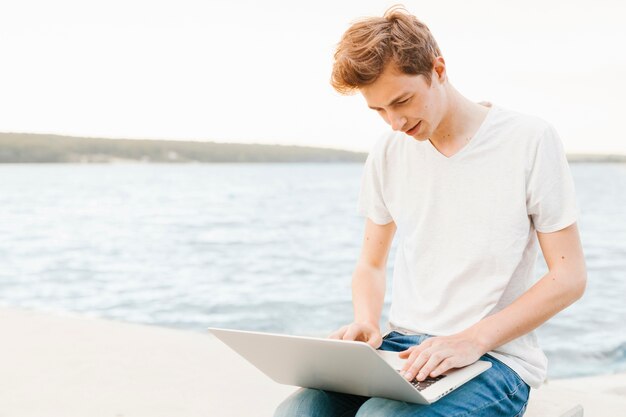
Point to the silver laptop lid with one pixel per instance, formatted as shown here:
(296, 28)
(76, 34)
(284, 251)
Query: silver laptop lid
(334, 365)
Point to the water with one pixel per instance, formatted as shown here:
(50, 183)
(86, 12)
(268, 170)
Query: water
(268, 247)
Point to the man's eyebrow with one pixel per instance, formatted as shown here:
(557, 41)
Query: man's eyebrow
(394, 101)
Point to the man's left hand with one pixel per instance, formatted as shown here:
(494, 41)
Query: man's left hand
(436, 355)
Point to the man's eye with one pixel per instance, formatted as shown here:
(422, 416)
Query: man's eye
(404, 101)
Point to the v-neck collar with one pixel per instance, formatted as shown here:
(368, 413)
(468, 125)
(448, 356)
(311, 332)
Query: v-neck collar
(468, 145)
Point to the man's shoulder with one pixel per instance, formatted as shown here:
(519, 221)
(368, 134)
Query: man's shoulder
(523, 135)
(521, 122)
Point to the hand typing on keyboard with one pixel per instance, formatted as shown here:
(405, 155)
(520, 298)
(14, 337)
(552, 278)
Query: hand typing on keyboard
(436, 355)
(421, 385)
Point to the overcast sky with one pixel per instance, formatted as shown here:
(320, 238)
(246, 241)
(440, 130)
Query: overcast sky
(258, 71)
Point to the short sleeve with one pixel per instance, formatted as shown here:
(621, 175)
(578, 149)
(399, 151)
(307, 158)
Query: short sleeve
(371, 202)
(550, 195)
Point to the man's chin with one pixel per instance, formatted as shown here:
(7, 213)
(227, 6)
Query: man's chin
(419, 138)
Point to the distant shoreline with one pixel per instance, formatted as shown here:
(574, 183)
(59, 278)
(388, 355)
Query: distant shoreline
(599, 158)
(43, 148)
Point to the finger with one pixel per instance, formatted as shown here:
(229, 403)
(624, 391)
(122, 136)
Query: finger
(416, 364)
(426, 343)
(375, 340)
(352, 333)
(444, 366)
(338, 334)
(406, 353)
(421, 347)
(435, 360)
(415, 352)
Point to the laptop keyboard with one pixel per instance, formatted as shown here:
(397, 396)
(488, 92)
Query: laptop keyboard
(421, 385)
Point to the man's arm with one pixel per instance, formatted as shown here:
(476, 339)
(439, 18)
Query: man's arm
(561, 286)
(368, 285)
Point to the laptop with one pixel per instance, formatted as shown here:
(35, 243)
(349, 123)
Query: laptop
(349, 367)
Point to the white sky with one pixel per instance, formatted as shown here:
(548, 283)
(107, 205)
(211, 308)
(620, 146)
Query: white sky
(258, 71)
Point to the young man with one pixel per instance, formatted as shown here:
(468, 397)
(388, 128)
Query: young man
(472, 189)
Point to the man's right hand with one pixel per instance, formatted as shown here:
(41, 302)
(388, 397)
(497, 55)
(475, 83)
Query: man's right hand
(362, 332)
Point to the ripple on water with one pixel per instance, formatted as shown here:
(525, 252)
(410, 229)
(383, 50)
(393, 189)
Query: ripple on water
(268, 247)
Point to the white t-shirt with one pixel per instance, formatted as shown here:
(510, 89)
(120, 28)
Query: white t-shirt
(466, 225)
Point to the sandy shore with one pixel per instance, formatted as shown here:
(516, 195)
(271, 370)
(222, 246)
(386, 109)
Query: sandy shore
(53, 365)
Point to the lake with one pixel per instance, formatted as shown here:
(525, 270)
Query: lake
(268, 247)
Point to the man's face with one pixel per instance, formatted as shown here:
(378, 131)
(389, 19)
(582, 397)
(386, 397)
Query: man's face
(406, 102)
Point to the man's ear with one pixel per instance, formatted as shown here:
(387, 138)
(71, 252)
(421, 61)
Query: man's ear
(439, 69)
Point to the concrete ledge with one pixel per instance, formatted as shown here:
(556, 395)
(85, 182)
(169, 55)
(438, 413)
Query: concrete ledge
(544, 404)
(69, 366)
(64, 366)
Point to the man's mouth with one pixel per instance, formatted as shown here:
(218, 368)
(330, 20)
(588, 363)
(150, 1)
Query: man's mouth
(414, 129)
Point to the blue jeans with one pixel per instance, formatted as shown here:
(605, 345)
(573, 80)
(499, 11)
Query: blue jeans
(498, 391)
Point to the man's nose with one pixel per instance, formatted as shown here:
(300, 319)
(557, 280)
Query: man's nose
(397, 122)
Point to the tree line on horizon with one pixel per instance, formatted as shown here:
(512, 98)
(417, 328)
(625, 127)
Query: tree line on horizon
(43, 148)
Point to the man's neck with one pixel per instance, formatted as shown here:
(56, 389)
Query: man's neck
(459, 123)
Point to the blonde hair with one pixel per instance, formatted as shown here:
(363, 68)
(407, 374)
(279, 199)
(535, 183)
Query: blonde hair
(370, 44)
